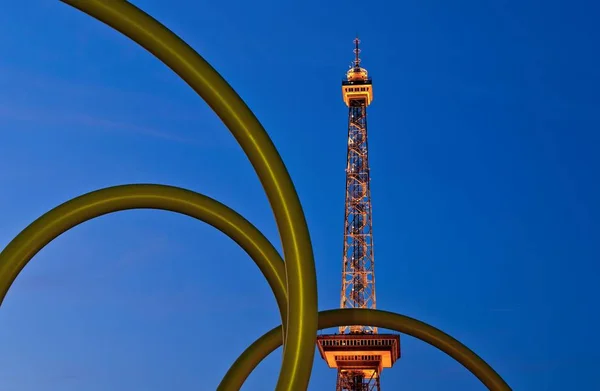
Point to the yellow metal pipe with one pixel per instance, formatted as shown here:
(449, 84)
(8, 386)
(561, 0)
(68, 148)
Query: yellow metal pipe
(113, 199)
(270, 341)
(198, 74)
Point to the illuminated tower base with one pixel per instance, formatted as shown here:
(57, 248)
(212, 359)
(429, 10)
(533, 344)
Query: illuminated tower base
(359, 358)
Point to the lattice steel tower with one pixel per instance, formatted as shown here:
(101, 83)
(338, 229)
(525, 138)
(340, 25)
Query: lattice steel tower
(358, 352)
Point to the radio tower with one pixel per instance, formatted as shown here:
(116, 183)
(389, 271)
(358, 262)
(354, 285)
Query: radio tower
(358, 353)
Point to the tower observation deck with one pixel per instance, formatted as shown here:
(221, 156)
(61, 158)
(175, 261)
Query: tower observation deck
(359, 353)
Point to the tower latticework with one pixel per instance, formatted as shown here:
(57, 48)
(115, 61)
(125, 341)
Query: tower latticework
(358, 352)
(358, 273)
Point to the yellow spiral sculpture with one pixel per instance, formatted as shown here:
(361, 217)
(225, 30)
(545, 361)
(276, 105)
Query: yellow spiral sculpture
(293, 279)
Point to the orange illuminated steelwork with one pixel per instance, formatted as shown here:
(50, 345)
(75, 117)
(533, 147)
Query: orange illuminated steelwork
(359, 353)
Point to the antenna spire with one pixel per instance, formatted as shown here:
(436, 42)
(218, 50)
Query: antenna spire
(356, 52)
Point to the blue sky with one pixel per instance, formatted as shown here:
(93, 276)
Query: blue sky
(484, 154)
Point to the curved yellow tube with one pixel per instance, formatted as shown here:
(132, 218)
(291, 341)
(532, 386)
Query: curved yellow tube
(270, 341)
(297, 295)
(198, 74)
(86, 207)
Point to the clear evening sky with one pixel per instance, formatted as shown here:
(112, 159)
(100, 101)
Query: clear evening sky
(485, 178)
